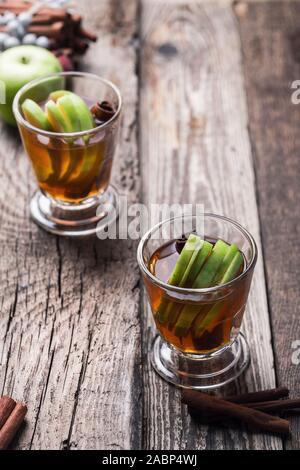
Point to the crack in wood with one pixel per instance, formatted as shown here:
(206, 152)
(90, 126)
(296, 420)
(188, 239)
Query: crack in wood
(42, 397)
(13, 308)
(59, 269)
(52, 332)
(66, 442)
(6, 364)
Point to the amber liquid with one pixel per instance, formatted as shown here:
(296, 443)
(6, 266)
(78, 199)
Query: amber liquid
(199, 327)
(68, 170)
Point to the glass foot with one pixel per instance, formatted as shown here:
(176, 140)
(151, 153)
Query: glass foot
(198, 372)
(76, 221)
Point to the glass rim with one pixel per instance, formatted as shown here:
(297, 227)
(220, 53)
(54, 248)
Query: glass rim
(20, 119)
(203, 290)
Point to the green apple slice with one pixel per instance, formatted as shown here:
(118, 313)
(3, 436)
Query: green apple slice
(233, 249)
(80, 118)
(65, 104)
(42, 162)
(204, 279)
(76, 157)
(212, 265)
(55, 95)
(67, 108)
(167, 309)
(192, 246)
(203, 321)
(92, 162)
(56, 118)
(201, 324)
(195, 264)
(83, 112)
(58, 153)
(233, 268)
(35, 115)
(185, 319)
(93, 159)
(59, 124)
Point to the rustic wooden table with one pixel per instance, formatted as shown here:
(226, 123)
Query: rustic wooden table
(207, 118)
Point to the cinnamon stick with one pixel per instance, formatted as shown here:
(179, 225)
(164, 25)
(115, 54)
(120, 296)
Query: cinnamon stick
(49, 18)
(264, 400)
(85, 34)
(51, 31)
(257, 419)
(76, 19)
(275, 405)
(79, 45)
(12, 424)
(7, 404)
(58, 24)
(262, 395)
(14, 6)
(103, 111)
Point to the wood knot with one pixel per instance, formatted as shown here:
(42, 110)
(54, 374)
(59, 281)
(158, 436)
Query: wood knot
(198, 123)
(167, 49)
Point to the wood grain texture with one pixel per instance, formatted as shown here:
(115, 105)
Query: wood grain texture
(270, 40)
(69, 326)
(195, 148)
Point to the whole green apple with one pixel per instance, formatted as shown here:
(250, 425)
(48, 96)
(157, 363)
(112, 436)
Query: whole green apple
(18, 66)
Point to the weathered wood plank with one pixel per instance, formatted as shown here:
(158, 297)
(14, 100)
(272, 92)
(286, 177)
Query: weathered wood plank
(195, 148)
(270, 41)
(69, 327)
